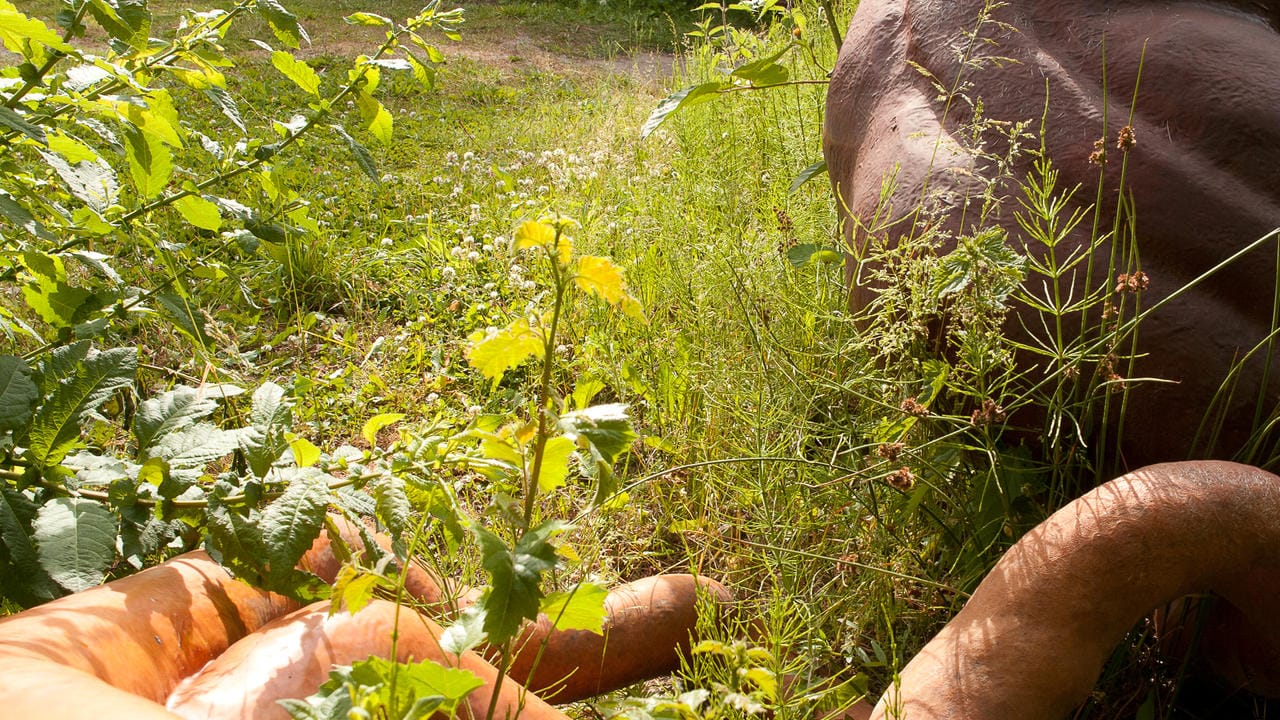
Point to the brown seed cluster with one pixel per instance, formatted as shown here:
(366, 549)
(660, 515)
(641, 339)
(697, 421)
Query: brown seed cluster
(1099, 155)
(1132, 282)
(901, 479)
(989, 414)
(912, 407)
(890, 450)
(1125, 139)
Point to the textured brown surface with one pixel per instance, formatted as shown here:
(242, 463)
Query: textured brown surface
(1205, 173)
(1032, 639)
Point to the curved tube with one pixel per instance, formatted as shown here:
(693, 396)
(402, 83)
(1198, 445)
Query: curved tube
(1032, 639)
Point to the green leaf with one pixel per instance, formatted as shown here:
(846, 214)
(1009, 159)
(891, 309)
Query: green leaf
(33, 584)
(675, 101)
(226, 104)
(392, 502)
(515, 575)
(376, 423)
(150, 162)
(376, 117)
(199, 212)
(14, 121)
(764, 71)
(170, 412)
(18, 394)
(296, 70)
(466, 632)
(56, 426)
(16, 29)
(579, 609)
(811, 252)
(294, 520)
(20, 217)
(367, 18)
(362, 156)
(495, 353)
(353, 589)
(76, 540)
(128, 21)
(184, 316)
(271, 416)
(305, 454)
(555, 463)
(605, 430)
(807, 174)
(47, 292)
(283, 23)
(92, 182)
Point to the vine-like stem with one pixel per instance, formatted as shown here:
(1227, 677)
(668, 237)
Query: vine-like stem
(544, 388)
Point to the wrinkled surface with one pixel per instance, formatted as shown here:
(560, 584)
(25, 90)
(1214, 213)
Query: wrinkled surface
(1032, 639)
(1204, 174)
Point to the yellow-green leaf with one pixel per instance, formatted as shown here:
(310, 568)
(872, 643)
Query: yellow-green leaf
(71, 149)
(15, 28)
(580, 609)
(555, 463)
(376, 423)
(600, 277)
(299, 72)
(304, 453)
(377, 119)
(534, 233)
(150, 162)
(495, 353)
(199, 212)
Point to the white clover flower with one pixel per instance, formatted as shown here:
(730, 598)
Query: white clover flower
(468, 155)
(448, 273)
(529, 285)
(456, 251)
(542, 190)
(473, 256)
(388, 177)
(438, 180)
(451, 158)
(386, 242)
(474, 409)
(433, 397)
(500, 241)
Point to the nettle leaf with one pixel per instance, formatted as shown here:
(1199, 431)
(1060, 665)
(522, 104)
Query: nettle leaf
(555, 463)
(495, 353)
(676, 100)
(76, 540)
(465, 633)
(515, 576)
(283, 23)
(170, 412)
(296, 70)
(16, 29)
(18, 394)
(367, 18)
(150, 162)
(392, 502)
(362, 156)
(56, 426)
(20, 217)
(47, 292)
(294, 520)
(27, 579)
(377, 118)
(603, 433)
(199, 212)
(271, 416)
(579, 609)
(14, 121)
(128, 21)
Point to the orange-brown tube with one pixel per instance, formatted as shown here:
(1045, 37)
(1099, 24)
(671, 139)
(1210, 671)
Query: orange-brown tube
(292, 657)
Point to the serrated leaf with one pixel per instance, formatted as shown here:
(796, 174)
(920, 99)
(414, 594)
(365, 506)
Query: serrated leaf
(47, 292)
(18, 394)
(76, 541)
(11, 119)
(600, 277)
(377, 118)
(362, 156)
(170, 412)
(16, 29)
(367, 18)
(33, 584)
(555, 463)
(20, 217)
(195, 446)
(296, 70)
(124, 20)
(283, 23)
(150, 162)
(425, 75)
(305, 454)
(605, 429)
(579, 609)
(199, 212)
(495, 353)
(375, 424)
(765, 71)
(676, 100)
(182, 313)
(515, 576)
(56, 426)
(807, 174)
(294, 520)
(227, 104)
(392, 503)
(352, 590)
(465, 633)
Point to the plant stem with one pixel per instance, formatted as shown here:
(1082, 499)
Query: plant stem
(544, 389)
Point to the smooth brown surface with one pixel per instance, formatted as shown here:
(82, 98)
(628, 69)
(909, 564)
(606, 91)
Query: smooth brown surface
(292, 657)
(1204, 175)
(1032, 639)
(649, 625)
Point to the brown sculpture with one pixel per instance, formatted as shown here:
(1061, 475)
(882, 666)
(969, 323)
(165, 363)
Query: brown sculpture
(1032, 639)
(1204, 173)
